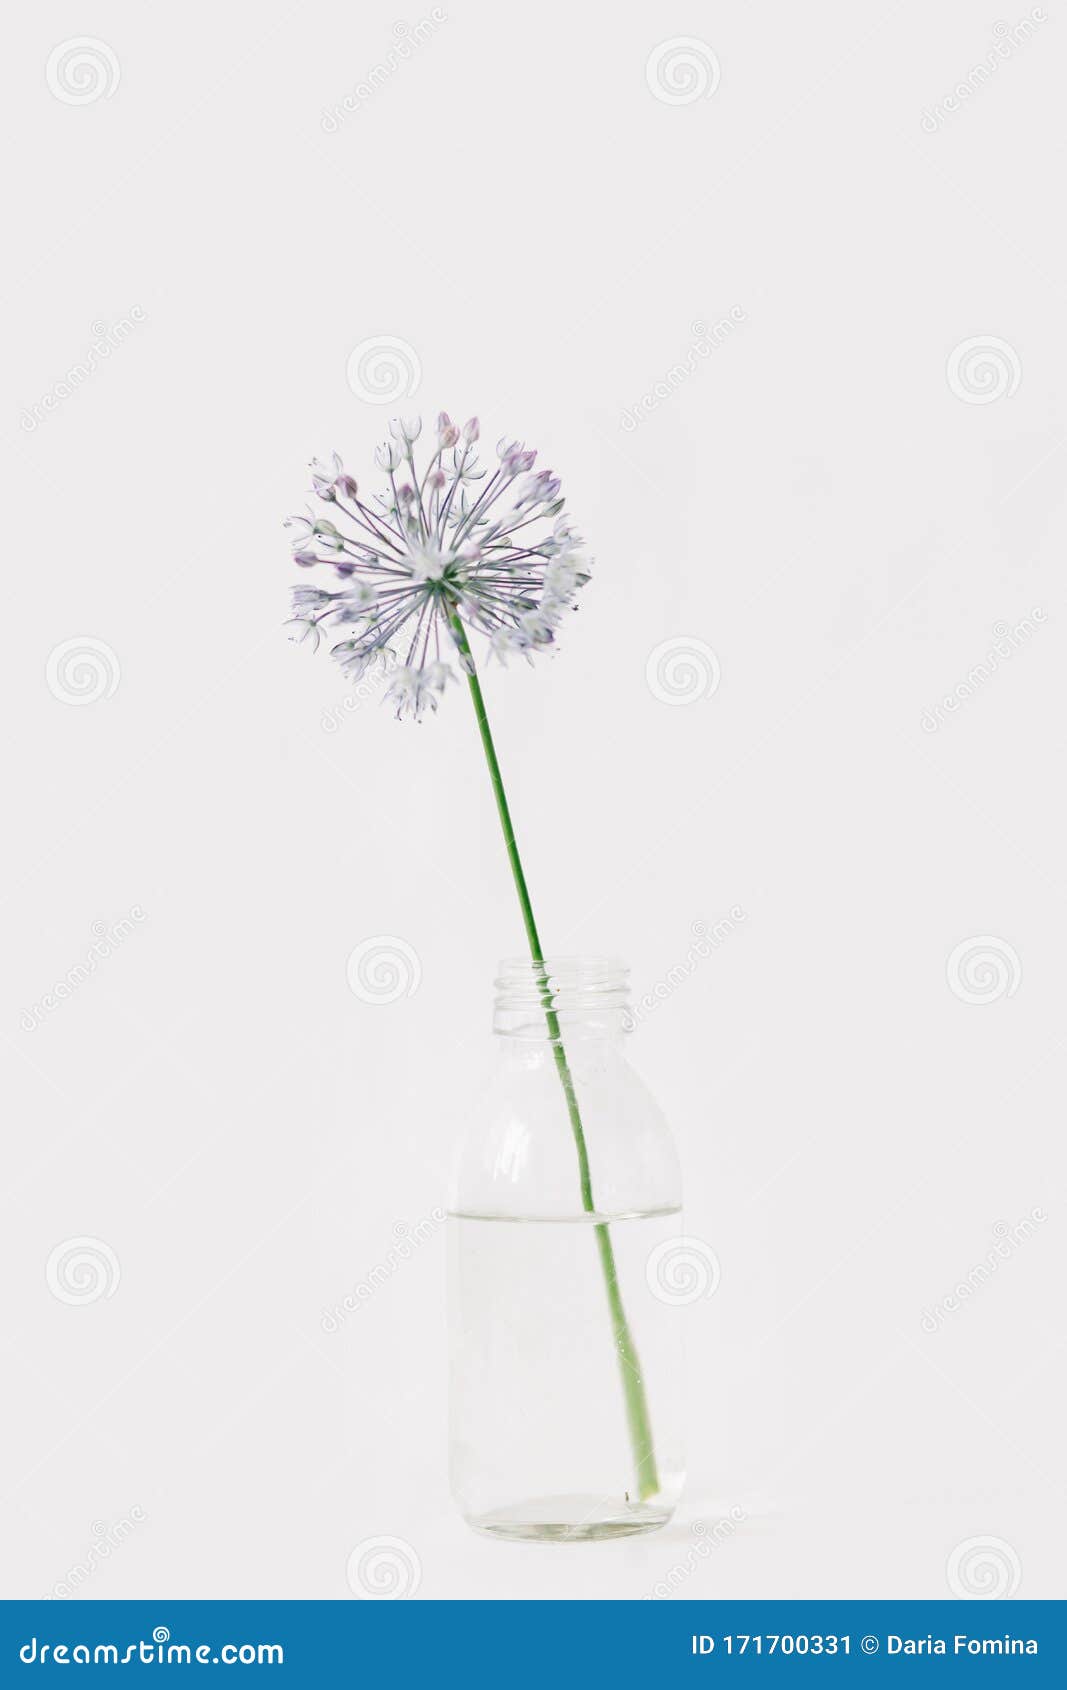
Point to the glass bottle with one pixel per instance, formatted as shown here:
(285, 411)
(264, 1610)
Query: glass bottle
(565, 1378)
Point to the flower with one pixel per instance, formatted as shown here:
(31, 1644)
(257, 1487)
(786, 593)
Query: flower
(303, 630)
(413, 688)
(328, 486)
(425, 562)
(309, 599)
(435, 558)
(407, 431)
(464, 467)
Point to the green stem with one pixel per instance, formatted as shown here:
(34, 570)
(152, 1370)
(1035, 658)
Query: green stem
(637, 1418)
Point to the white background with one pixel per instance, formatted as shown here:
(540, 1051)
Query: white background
(827, 502)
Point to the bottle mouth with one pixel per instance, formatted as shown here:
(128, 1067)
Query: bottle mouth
(590, 992)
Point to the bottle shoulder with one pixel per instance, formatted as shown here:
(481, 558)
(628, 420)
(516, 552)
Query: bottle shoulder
(549, 1140)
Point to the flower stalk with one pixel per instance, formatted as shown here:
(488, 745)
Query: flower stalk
(637, 1416)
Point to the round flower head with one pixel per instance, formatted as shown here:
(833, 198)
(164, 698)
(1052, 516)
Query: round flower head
(435, 556)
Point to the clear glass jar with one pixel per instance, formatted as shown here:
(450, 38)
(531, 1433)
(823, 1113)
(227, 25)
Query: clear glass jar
(565, 1388)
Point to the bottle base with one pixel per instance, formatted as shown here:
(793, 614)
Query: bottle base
(569, 1519)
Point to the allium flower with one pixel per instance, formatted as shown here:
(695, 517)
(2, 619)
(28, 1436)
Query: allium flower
(434, 556)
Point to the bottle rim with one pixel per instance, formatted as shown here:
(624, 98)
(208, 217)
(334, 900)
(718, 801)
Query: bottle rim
(569, 985)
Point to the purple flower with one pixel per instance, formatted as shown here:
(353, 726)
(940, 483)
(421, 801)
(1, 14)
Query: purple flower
(436, 558)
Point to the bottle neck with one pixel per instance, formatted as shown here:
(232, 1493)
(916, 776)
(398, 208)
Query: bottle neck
(563, 998)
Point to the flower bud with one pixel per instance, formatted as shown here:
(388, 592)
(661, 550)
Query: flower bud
(406, 429)
(328, 535)
(471, 430)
